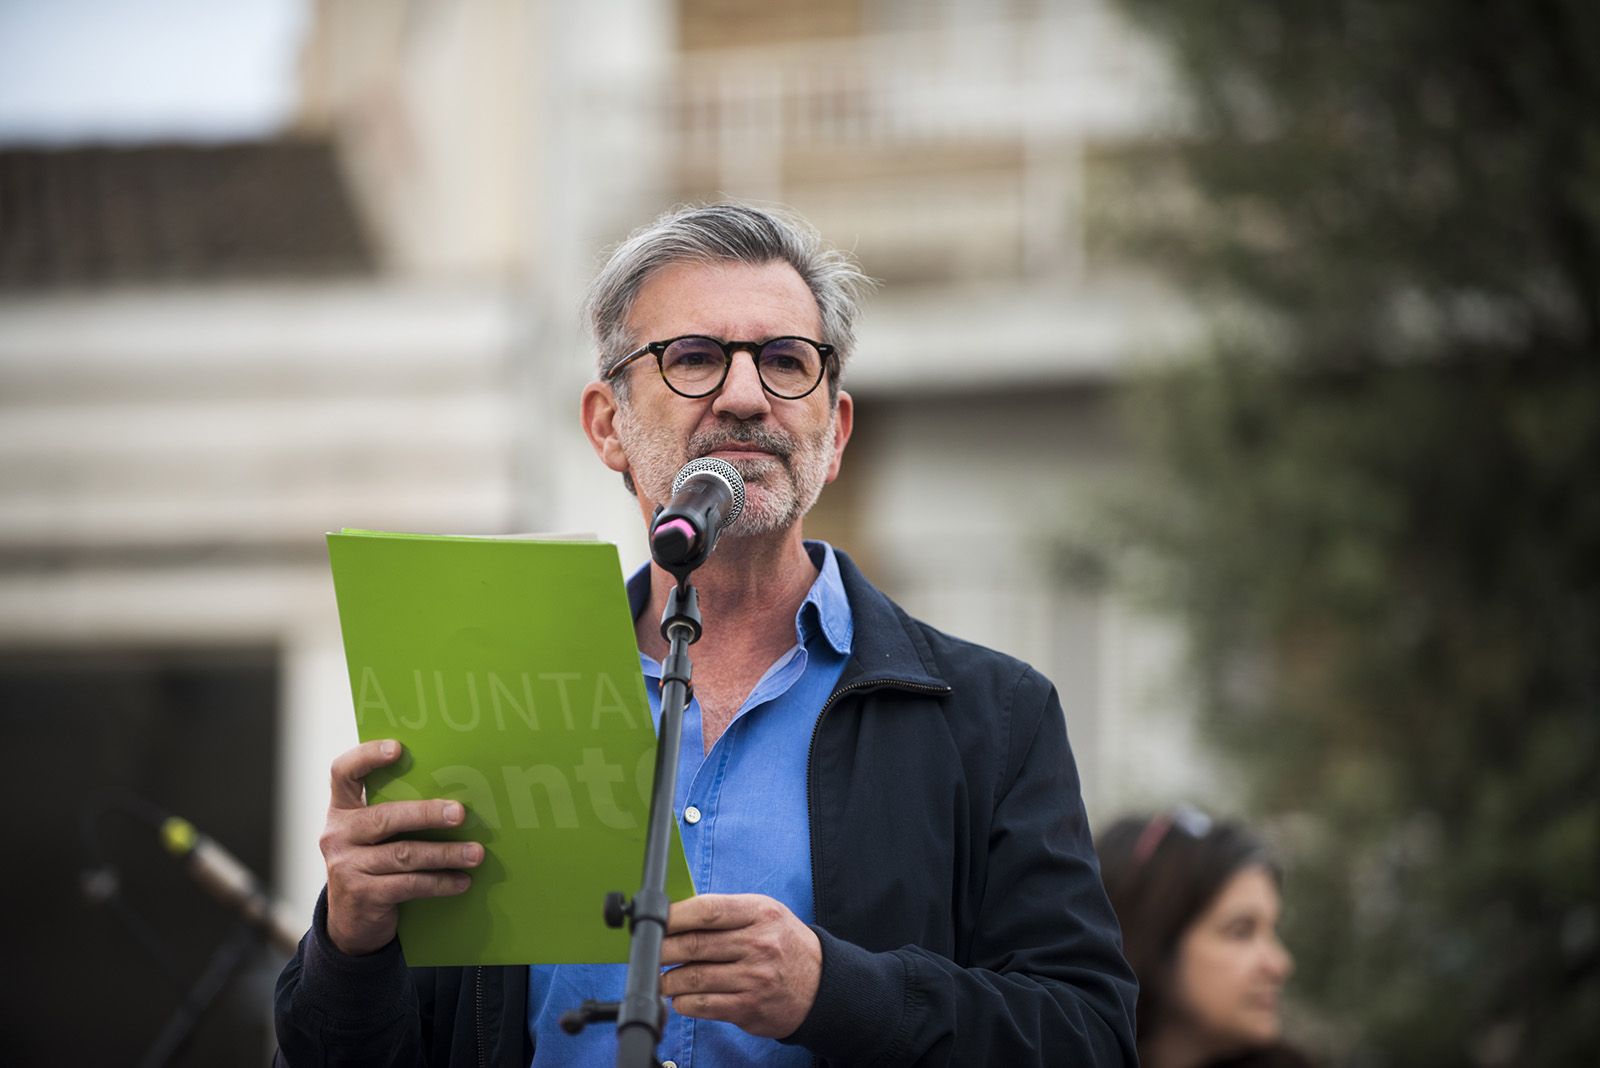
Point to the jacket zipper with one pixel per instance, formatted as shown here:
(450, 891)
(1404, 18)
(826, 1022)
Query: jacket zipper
(477, 1014)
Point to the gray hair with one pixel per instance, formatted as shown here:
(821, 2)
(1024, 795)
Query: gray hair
(721, 233)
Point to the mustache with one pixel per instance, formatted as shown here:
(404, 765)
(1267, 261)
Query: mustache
(779, 445)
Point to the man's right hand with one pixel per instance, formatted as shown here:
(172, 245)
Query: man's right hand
(370, 869)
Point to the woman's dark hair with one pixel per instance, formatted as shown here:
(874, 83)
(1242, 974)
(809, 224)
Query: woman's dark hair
(1161, 873)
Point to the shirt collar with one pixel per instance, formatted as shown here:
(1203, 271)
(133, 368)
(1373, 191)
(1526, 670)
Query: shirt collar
(826, 608)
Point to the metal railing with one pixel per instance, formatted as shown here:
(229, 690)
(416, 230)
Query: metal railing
(952, 150)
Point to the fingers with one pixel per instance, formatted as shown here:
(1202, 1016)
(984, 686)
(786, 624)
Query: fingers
(762, 978)
(729, 1007)
(373, 863)
(380, 822)
(353, 831)
(720, 912)
(354, 765)
(411, 855)
(703, 946)
(705, 979)
(390, 890)
(353, 858)
(367, 881)
(717, 927)
(751, 998)
(363, 908)
(743, 958)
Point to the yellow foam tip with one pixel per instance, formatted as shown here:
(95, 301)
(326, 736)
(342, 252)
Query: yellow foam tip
(178, 835)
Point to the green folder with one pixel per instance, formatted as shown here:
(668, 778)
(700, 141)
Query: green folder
(509, 670)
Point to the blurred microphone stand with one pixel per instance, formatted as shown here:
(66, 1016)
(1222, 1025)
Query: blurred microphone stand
(224, 964)
(102, 885)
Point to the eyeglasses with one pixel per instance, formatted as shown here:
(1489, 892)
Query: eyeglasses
(696, 366)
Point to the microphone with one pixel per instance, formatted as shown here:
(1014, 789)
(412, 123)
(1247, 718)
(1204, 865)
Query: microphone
(707, 495)
(226, 878)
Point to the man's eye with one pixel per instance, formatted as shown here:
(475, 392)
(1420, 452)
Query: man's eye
(782, 361)
(693, 357)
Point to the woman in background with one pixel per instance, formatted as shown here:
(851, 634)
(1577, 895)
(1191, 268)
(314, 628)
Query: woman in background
(1199, 904)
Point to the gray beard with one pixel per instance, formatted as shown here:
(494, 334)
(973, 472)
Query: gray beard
(779, 488)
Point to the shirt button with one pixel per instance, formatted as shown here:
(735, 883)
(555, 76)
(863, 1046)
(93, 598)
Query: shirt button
(669, 1064)
(691, 815)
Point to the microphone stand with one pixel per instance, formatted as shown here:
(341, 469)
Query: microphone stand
(641, 1015)
(225, 963)
(102, 886)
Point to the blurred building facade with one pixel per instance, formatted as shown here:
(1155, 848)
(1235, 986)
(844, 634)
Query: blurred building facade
(378, 327)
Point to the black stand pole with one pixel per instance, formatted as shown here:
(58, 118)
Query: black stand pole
(220, 970)
(641, 1016)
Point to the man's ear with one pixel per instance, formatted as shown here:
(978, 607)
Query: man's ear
(844, 414)
(598, 413)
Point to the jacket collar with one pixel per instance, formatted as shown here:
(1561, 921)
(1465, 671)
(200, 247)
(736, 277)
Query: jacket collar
(888, 649)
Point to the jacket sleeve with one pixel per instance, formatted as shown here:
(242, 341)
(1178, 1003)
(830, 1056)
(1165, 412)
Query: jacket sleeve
(331, 1008)
(1045, 982)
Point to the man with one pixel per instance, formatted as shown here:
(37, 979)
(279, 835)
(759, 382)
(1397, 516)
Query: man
(884, 822)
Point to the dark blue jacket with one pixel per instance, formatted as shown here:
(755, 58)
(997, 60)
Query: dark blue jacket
(958, 898)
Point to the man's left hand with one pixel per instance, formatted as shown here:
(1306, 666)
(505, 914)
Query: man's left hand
(743, 958)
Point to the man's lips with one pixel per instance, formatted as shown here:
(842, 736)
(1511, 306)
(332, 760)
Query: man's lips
(753, 462)
(743, 452)
(747, 439)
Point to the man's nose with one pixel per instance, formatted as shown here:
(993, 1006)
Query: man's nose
(741, 395)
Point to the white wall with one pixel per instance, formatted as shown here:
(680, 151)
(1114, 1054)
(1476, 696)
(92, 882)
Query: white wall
(170, 459)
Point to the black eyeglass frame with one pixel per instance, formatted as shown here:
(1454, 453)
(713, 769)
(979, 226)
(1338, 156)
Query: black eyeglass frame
(729, 348)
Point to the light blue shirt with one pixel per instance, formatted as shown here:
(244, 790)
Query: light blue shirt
(742, 815)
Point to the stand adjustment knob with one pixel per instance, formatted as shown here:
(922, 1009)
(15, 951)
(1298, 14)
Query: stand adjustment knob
(617, 910)
(573, 1021)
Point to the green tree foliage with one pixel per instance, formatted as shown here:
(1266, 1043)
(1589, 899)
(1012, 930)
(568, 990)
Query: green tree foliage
(1377, 502)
